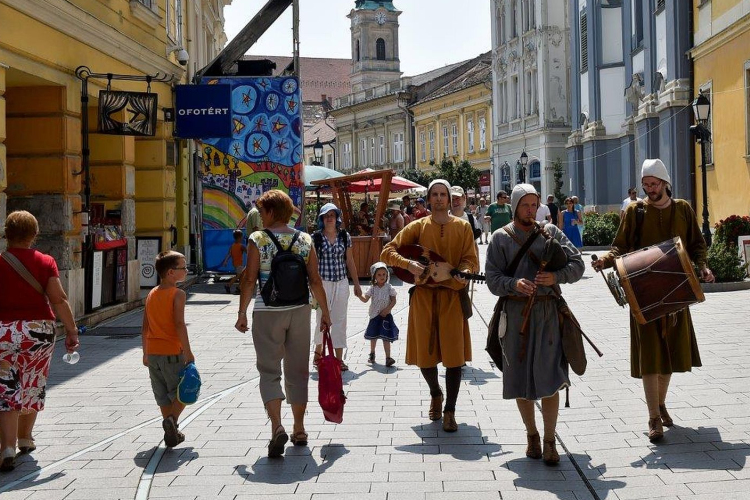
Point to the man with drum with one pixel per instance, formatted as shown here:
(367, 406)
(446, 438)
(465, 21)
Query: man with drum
(665, 345)
(438, 331)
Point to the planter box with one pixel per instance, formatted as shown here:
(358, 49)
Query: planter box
(731, 286)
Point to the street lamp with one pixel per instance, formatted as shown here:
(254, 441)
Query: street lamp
(522, 170)
(317, 152)
(702, 110)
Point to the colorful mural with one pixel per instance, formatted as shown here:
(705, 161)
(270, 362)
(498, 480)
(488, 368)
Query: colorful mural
(264, 152)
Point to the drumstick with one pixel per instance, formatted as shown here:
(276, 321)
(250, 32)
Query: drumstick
(594, 258)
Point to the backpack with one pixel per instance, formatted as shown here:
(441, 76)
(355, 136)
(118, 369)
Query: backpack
(287, 284)
(317, 237)
(477, 231)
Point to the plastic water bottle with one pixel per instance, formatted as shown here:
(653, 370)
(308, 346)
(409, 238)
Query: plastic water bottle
(72, 357)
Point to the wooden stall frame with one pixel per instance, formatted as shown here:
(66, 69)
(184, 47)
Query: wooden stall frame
(339, 191)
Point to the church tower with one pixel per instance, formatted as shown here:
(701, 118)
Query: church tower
(374, 26)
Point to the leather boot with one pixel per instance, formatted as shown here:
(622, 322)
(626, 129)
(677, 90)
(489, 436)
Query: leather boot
(449, 422)
(550, 455)
(436, 408)
(655, 429)
(666, 420)
(533, 446)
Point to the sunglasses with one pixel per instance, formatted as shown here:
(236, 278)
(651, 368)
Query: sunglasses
(180, 268)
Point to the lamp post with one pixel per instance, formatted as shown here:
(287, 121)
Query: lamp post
(317, 152)
(522, 163)
(702, 110)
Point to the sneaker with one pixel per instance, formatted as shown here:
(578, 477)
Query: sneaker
(171, 434)
(371, 358)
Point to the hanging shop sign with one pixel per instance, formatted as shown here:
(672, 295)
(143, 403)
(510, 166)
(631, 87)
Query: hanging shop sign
(127, 113)
(203, 111)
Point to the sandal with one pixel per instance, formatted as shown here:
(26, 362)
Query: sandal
(299, 438)
(316, 359)
(276, 445)
(26, 445)
(8, 458)
(344, 366)
(371, 358)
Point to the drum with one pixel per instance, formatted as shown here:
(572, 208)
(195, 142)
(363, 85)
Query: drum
(658, 280)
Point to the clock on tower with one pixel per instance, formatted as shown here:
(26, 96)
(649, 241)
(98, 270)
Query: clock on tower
(380, 17)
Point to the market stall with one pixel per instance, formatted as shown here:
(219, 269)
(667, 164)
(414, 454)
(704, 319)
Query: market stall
(366, 248)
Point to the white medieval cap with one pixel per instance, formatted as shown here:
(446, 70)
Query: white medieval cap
(519, 192)
(438, 181)
(655, 168)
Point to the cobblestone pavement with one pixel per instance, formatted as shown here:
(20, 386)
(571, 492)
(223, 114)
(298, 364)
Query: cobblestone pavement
(100, 436)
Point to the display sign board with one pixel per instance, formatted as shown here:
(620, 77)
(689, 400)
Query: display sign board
(127, 113)
(147, 249)
(96, 279)
(203, 111)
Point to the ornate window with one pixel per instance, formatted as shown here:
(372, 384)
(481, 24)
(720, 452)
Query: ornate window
(381, 148)
(432, 144)
(445, 140)
(372, 150)
(380, 49)
(454, 134)
(398, 147)
(482, 133)
(422, 146)
(470, 133)
(363, 158)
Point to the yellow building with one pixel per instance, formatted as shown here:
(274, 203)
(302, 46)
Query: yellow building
(722, 72)
(455, 120)
(144, 180)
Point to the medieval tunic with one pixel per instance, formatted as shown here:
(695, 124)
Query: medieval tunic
(665, 345)
(438, 331)
(542, 371)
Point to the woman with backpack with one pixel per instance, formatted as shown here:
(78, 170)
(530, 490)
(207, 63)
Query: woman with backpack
(333, 246)
(285, 265)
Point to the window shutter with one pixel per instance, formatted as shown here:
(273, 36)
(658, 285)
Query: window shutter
(584, 43)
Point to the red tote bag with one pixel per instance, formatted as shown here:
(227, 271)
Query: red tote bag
(330, 385)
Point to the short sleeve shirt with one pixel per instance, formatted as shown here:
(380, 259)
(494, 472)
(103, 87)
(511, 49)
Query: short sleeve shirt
(381, 297)
(267, 251)
(499, 216)
(18, 299)
(332, 258)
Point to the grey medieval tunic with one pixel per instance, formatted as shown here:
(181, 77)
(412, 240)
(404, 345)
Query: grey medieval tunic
(543, 370)
(668, 344)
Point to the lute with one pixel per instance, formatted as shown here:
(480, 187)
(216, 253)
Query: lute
(436, 267)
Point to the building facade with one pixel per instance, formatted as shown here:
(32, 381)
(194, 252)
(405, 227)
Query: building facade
(142, 184)
(630, 96)
(531, 111)
(455, 120)
(721, 71)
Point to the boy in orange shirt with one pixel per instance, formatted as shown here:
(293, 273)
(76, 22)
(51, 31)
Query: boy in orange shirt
(166, 347)
(235, 251)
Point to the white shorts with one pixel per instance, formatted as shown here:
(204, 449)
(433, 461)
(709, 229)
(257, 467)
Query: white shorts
(337, 296)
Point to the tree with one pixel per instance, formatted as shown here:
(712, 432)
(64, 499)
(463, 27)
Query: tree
(463, 174)
(419, 176)
(558, 173)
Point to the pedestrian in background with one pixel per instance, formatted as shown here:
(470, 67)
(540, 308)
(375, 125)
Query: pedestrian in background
(480, 215)
(31, 290)
(420, 210)
(533, 363)
(578, 208)
(253, 222)
(571, 218)
(553, 209)
(236, 251)
(281, 333)
(498, 214)
(333, 246)
(632, 198)
(166, 346)
(381, 325)
(666, 345)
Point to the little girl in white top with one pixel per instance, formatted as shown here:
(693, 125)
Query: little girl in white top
(381, 325)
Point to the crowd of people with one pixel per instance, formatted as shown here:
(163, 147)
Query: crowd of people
(285, 266)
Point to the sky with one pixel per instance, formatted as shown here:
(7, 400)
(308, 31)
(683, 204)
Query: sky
(432, 33)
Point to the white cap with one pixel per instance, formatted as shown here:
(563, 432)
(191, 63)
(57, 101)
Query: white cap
(457, 191)
(519, 192)
(438, 181)
(655, 168)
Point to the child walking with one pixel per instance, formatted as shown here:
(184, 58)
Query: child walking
(166, 347)
(381, 325)
(236, 251)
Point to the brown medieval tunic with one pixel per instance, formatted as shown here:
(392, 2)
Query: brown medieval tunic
(438, 331)
(665, 345)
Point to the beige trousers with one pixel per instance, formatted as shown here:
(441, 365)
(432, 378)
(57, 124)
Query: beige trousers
(283, 335)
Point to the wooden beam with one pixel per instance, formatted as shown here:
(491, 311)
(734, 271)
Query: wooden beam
(247, 37)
